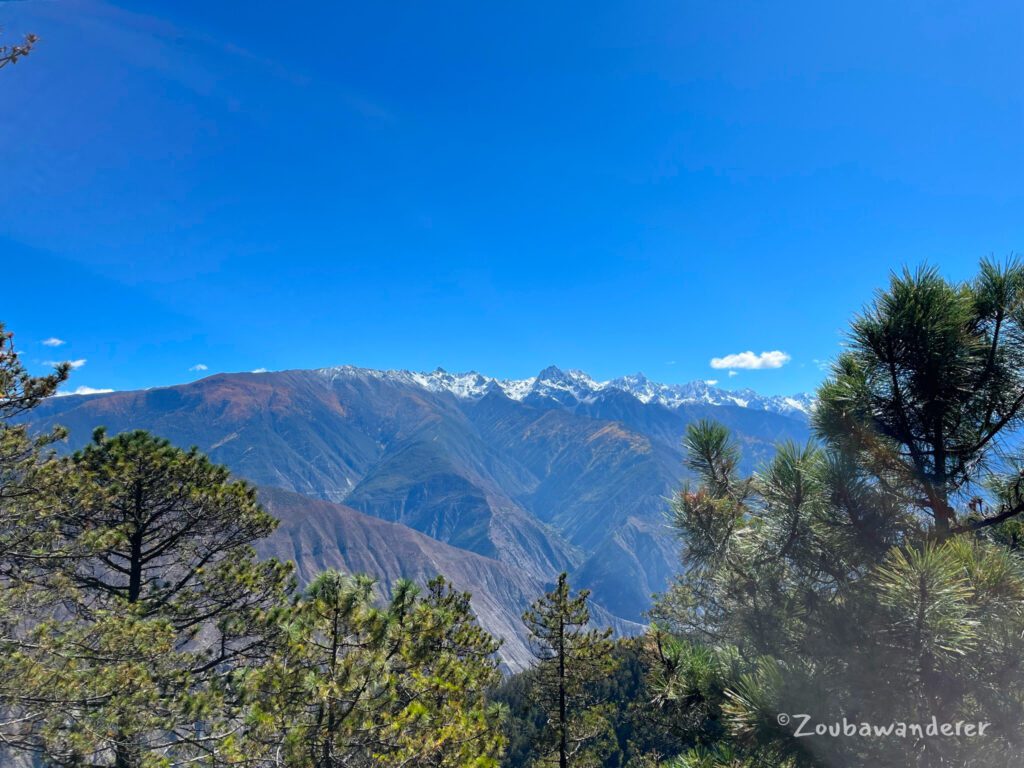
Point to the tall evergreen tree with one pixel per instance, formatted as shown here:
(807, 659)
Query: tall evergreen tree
(139, 630)
(643, 735)
(158, 601)
(22, 455)
(572, 658)
(24, 529)
(869, 576)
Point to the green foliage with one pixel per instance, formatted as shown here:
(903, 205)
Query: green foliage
(152, 595)
(639, 727)
(875, 576)
(932, 380)
(572, 658)
(525, 721)
(361, 684)
(140, 631)
(24, 506)
(686, 689)
(163, 529)
(23, 498)
(719, 756)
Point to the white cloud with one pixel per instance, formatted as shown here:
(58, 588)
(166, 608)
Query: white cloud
(84, 391)
(53, 341)
(199, 367)
(750, 361)
(259, 370)
(731, 374)
(711, 382)
(75, 364)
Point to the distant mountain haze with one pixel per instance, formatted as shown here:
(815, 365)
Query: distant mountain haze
(497, 484)
(317, 535)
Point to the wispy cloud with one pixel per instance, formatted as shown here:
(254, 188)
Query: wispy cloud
(732, 373)
(200, 367)
(84, 391)
(259, 370)
(751, 362)
(75, 364)
(711, 382)
(53, 341)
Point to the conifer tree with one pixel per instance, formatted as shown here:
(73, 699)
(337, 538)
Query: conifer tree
(571, 657)
(22, 454)
(365, 684)
(930, 386)
(871, 576)
(23, 508)
(139, 629)
(158, 602)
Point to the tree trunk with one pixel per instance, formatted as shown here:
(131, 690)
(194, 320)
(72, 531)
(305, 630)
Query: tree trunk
(125, 755)
(563, 747)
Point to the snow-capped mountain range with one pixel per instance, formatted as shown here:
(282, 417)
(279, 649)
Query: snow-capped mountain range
(498, 483)
(574, 387)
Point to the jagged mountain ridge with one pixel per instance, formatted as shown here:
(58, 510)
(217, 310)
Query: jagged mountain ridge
(567, 474)
(577, 386)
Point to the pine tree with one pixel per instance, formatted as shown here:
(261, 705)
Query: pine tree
(138, 628)
(365, 684)
(930, 385)
(24, 505)
(22, 454)
(571, 658)
(158, 602)
(871, 575)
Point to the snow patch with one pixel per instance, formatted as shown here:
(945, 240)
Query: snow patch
(573, 387)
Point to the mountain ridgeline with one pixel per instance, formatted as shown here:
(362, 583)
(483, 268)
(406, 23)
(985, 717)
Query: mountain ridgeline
(504, 484)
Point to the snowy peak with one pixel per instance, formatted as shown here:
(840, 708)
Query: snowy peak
(572, 387)
(567, 387)
(554, 375)
(647, 391)
(470, 384)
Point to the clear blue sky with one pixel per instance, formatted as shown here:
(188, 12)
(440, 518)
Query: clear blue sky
(499, 186)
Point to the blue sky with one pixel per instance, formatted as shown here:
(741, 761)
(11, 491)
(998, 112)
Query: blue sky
(499, 186)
